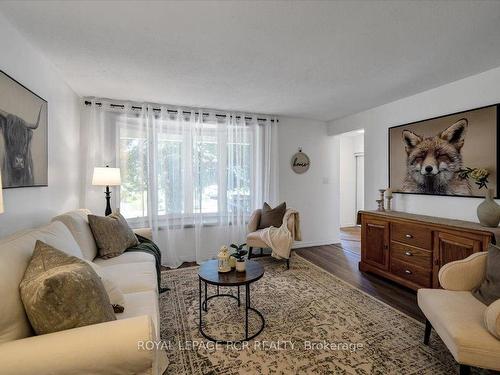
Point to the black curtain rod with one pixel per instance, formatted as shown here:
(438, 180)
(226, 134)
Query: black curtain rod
(175, 111)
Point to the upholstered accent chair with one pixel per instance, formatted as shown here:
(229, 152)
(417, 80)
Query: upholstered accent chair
(469, 328)
(253, 236)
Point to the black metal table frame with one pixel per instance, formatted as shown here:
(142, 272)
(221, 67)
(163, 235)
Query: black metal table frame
(203, 306)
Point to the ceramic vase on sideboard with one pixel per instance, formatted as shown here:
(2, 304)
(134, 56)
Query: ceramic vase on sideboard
(488, 211)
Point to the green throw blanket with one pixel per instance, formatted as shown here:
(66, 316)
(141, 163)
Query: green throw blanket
(147, 246)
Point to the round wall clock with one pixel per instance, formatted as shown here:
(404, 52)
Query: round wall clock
(300, 162)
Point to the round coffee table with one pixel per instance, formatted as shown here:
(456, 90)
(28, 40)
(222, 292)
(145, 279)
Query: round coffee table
(209, 274)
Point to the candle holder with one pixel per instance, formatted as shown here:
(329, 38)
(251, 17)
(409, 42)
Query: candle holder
(380, 203)
(381, 191)
(389, 198)
(381, 200)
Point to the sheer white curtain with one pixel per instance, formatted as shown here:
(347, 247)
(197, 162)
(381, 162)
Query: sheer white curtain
(98, 149)
(193, 175)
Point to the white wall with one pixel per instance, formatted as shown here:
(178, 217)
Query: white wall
(347, 181)
(315, 193)
(29, 207)
(475, 91)
(349, 144)
(359, 143)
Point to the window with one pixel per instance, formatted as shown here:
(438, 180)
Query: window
(206, 189)
(238, 177)
(196, 170)
(134, 188)
(170, 198)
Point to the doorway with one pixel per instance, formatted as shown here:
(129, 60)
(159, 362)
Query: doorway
(352, 183)
(360, 181)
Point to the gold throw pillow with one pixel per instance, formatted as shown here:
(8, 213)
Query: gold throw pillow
(112, 234)
(61, 292)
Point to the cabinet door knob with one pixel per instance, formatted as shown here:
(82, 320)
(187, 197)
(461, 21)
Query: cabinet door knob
(408, 272)
(408, 253)
(408, 236)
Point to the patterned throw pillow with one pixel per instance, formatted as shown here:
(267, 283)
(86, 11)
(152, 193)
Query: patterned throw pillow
(61, 292)
(112, 234)
(272, 217)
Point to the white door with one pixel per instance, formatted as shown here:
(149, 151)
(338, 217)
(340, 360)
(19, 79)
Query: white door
(360, 182)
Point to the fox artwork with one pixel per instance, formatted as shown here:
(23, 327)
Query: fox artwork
(433, 164)
(455, 154)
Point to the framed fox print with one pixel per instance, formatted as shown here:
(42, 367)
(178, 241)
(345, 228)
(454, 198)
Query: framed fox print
(455, 154)
(23, 135)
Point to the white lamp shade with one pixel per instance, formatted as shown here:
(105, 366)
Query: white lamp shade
(105, 176)
(1, 196)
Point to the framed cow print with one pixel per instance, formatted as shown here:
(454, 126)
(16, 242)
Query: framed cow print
(455, 154)
(23, 135)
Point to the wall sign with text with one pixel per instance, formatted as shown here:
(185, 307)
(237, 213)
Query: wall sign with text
(300, 162)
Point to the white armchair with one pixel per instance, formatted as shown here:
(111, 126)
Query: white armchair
(470, 329)
(253, 233)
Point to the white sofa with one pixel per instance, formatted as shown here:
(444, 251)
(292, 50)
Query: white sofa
(106, 348)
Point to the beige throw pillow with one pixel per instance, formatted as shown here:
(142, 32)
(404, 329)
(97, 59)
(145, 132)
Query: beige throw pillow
(61, 292)
(492, 318)
(272, 217)
(112, 234)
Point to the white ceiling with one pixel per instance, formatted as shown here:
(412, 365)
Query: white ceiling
(319, 60)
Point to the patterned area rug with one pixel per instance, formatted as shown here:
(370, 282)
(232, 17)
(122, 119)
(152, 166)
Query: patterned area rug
(315, 324)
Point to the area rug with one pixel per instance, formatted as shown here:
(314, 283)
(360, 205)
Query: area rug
(315, 324)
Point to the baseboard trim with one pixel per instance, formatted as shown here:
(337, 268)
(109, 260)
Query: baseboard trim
(348, 225)
(298, 245)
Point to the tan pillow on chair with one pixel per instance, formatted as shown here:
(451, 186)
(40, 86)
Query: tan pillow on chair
(272, 217)
(112, 234)
(61, 292)
(492, 318)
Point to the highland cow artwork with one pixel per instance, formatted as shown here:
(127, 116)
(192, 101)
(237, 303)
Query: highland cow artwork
(455, 154)
(23, 135)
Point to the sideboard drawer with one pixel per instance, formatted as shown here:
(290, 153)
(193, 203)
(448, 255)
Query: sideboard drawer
(412, 255)
(408, 271)
(415, 235)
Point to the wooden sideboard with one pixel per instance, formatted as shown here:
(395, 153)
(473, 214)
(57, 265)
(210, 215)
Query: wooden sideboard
(410, 249)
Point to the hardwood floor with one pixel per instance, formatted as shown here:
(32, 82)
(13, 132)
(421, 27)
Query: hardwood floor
(344, 265)
(183, 265)
(351, 233)
(350, 239)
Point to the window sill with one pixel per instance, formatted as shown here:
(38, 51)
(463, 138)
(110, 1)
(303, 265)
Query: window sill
(165, 223)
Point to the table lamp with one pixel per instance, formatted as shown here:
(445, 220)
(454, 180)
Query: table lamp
(1, 196)
(106, 176)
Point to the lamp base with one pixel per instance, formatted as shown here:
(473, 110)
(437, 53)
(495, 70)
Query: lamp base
(108, 202)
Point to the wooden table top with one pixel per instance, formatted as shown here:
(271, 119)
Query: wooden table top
(459, 224)
(209, 272)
